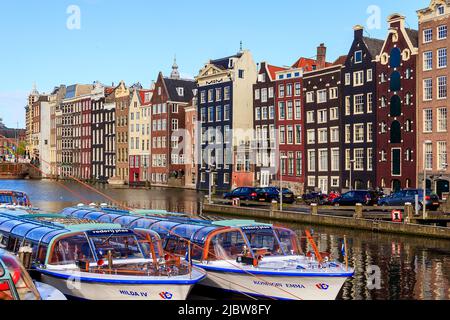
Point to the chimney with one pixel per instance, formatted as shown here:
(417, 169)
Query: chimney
(321, 56)
(359, 30)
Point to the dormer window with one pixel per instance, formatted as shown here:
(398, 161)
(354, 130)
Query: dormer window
(230, 63)
(440, 10)
(180, 92)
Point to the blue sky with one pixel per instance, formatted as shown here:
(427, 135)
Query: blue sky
(133, 40)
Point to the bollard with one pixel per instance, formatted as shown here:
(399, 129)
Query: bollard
(274, 206)
(314, 209)
(409, 212)
(359, 211)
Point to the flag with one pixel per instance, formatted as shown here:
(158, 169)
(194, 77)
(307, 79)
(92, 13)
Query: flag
(343, 249)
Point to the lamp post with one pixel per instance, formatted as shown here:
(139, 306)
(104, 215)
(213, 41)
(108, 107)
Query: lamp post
(352, 164)
(282, 158)
(210, 171)
(425, 178)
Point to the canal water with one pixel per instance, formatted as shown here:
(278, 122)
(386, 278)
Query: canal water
(387, 266)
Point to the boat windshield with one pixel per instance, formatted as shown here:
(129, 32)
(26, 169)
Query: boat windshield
(21, 280)
(122, 247)
(227, 246)
(263, 239)
(288, 240)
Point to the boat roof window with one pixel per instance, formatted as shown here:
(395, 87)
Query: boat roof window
(186, 230)
(109, 218)
(23, 229)
(122, 246)
(126, 220)
(69, 250)
(47, 238)
(201, 235)
(94, 215)
(163, 228)
(144, 223)
(36, 235)
(9, 225)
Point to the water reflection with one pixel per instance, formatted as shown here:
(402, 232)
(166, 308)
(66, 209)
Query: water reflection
(411, 268)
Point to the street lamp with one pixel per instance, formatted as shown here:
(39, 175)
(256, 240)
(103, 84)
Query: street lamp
(352, 165)
(282, 158)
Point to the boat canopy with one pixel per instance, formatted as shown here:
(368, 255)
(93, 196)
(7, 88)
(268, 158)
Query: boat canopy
(41, 229)
(176, 226)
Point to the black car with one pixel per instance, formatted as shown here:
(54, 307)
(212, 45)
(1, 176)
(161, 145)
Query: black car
(400, 198)
(273, 194)
(244, 193)
(351, 198)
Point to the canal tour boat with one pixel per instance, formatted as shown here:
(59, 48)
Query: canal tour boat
(97, 261)
(240, 256)
(14, 198)
(16, 283)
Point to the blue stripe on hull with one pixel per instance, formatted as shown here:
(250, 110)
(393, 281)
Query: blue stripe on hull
(277, 274)
(111, 281)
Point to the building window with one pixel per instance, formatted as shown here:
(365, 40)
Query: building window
(298, 163)
(395, 84)
(333, 93)
(322, 116)
(310, 117)
(241, 74)
(369, 132)
(395, 58)
(298, 110)
(311, 136)
(282, 110)
(348, 79)
(311, 181)
(396, 106)
(334, 114)
(321, 96)
(358, 104)
(427, 60)
(442, 87)
(359, 159)
(347, 105)
(428, 120)
(396, 132)
(297, 89)
(369, 75)
(309, 97)
(334, 134)
(289, 90)
(408, 99)
(442, 32)
(370, 102)
(369, 159)
(335, 159)
(427, 35)
(264, 114)
(440, 10)
(427, 89)
(226, 93)
(264, 95)
(442, 155)
(347, 159)
(281, 91)
(290, 110)
(290, 134)
(358, 78)
(442, 120)
(258, 113)
(323, 135)
(210, 95)
(358, 56)
(428, 156)
(257, 94)
(358, 133)
(271, 112)
(226, 113)
(442, 57)
(298, 134)
(348, 134)
(323, 160)
(282, 135)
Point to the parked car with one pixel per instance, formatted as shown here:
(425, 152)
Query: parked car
(244, 193)
(351, 198)
(315, 197)
(409, 195)
(273, 194)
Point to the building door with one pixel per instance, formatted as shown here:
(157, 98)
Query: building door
(265, 179)
(442, 186)
(396, 185)
(323, 185)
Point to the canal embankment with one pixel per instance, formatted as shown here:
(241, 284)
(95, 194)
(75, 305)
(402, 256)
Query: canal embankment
(410, 224)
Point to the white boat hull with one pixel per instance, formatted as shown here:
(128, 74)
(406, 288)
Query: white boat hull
(274, 287)
(107, 287)
(49, 293)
